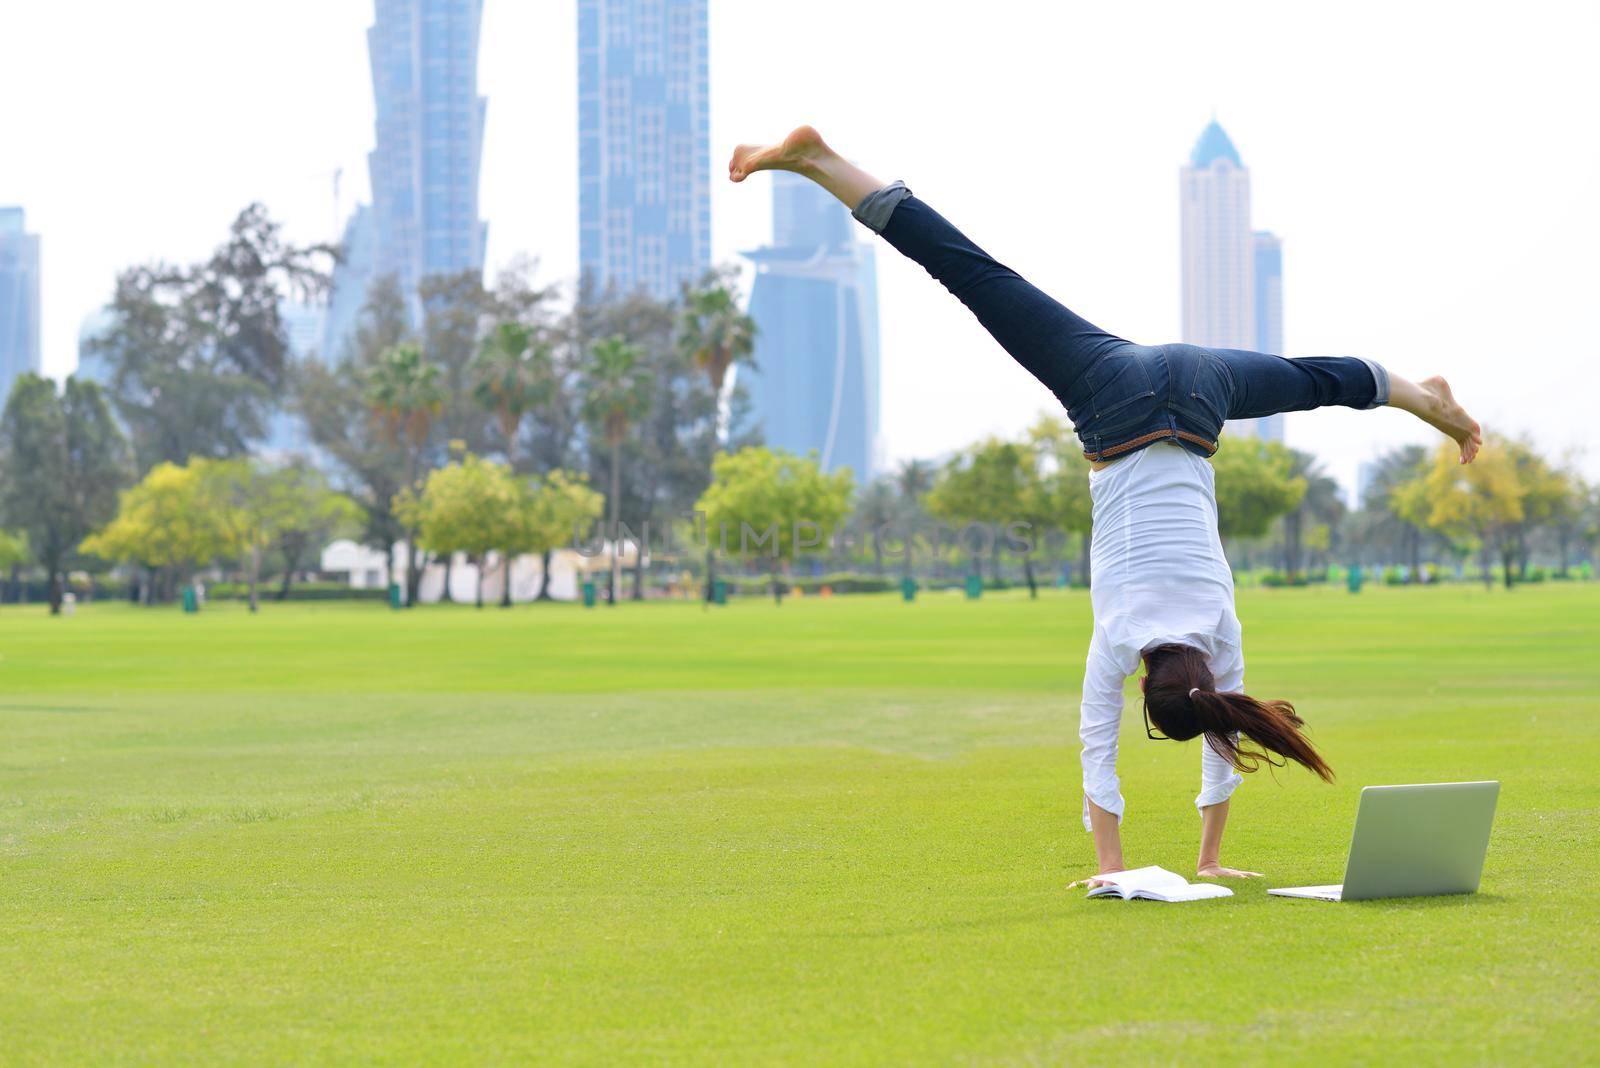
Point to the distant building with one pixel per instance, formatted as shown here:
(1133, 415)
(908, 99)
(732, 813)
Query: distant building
(348, 293)
(644, 163)
(1268, 287)
(19, 299)
(1366, 474)
(1232, 276)
(92, 367)
(303, 325)
(424, 166)
(814, 386)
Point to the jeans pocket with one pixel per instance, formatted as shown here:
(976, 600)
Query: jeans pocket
(1116, 380)
(1211, 392)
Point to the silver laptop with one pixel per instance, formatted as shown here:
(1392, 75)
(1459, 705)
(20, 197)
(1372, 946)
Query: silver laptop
(1412, 841)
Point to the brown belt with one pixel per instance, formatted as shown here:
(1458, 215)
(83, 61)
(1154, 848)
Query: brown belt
(1145, 439)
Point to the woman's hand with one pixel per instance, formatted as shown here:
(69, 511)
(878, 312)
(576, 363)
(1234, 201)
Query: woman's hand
(1091, 883)
(1217, 871)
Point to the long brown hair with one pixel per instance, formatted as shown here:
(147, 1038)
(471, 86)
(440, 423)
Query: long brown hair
(1181, 700)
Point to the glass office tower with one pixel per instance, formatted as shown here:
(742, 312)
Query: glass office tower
(814, 386)
(644, 172)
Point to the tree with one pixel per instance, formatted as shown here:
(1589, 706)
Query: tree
(14, 552)
(877, 508)
(666, 459)
(199, 354)
(913, 479)
(1397, 494)
(560, 503)
(989, 484)
(1256, 484)
(315, 514)
(455, 310)
(405, 396)
(1320, 507)
(617, 392)
(1567, 512)
(716, 334)
(1410, 504)
(14, 548)
(258, 506)
(64, 459)
(472, 506)
(765, 497)
(1063, 483)
(1483, 500)
(344, 424)
(514, 376)
(168, 521)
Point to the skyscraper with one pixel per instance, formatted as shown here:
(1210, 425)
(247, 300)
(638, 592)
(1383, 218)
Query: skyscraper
(348, 293)
(424, 167)
(815, 303)
(1267, 266)
(644, 165)
(19, 299)
(1232, 276)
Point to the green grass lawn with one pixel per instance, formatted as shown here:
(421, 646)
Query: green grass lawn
(836, 831)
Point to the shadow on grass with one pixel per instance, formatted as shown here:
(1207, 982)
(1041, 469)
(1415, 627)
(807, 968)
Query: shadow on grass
(1479, 899)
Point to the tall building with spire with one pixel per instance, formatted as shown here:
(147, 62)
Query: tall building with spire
(424, 164)
(814, 386)
(19, 299)
(1232, 275)
(644, 145)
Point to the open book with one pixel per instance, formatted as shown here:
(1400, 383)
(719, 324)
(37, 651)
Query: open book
(1155, 884)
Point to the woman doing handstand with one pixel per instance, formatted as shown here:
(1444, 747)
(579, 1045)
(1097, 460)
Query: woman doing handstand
(1148, 416)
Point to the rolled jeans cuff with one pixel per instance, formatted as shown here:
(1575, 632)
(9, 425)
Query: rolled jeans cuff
(1380, 378)
(875, 208)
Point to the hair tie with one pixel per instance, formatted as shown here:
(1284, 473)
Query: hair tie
(1192, 692)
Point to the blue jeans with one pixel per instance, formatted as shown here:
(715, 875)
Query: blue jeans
(1121, 397)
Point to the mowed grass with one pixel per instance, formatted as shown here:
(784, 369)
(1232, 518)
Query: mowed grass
(833, 832)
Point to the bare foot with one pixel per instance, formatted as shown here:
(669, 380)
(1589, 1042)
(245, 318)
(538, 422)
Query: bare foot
(797, 152)
(1443, 413)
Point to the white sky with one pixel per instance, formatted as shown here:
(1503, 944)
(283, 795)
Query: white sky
(1433, 170)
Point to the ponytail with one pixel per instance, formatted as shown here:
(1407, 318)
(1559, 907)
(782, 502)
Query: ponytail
(1180, 699)
(1274, 726)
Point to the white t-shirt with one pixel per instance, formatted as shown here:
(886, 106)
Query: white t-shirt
(1158, 575)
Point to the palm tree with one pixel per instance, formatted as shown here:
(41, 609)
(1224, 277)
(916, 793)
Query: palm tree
(513, 376)
(915, 478)
(404, 394)
(716, 335)
(617, 388)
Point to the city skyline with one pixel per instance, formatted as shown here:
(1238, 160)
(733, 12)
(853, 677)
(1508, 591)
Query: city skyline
(644, 189)
(1373, 190)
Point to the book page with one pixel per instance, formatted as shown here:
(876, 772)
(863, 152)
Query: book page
(1187, 892)
(1155, 884)
(1151, 878)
